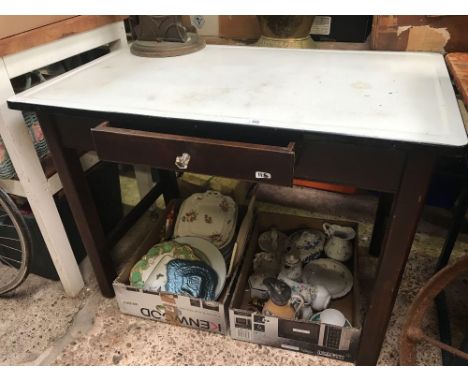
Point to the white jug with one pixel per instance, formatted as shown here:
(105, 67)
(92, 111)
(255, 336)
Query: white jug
(339, 244)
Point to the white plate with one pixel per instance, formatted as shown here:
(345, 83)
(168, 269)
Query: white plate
(210, 215)
(332, 274)
(214, 256)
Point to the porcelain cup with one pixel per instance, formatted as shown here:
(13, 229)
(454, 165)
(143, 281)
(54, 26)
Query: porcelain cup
(330, 317)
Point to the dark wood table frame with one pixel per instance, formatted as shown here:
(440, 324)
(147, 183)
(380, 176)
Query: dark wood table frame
(399, 171)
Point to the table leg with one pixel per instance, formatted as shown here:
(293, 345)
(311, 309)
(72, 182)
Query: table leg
(406, 210)
(144, 179)
(381, 221)
(81, 204)
(171, 188)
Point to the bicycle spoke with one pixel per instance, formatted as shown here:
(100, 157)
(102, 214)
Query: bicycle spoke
(7, 246)
(7, 260)
(9, 238)
(14, 266)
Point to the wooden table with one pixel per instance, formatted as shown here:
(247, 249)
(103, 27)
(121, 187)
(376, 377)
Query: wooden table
(458, 66)
(374, 120)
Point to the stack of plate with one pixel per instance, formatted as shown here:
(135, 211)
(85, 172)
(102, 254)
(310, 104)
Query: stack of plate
(150, 272)
(211, 216)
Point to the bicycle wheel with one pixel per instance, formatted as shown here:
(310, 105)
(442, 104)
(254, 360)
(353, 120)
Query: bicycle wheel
(15, 245)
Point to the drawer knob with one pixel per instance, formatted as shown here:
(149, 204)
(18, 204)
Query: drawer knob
(182, 161)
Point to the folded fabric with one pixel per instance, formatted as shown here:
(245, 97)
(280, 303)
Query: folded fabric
(192, 278)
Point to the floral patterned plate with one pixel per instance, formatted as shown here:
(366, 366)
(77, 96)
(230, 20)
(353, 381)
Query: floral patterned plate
(210, 215)
(149, 272)
(331, 274)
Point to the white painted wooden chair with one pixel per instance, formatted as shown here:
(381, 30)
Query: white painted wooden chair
(33, 183)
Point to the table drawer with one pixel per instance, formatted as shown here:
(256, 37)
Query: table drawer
(240, 160)
(363, 166)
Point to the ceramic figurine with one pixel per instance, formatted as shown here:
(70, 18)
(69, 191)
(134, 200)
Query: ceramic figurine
(281, 302)
(292, 267)
(258, 290)
(267, 264)
(272, 241)
(339, 244)
(317, 296)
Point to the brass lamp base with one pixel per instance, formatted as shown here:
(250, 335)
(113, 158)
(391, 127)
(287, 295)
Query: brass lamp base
(143, 48)
(298, 43)
(286, 32)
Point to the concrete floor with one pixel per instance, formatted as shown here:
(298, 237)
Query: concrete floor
(40, 326)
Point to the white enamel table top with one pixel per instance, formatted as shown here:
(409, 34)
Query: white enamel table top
(397, 96)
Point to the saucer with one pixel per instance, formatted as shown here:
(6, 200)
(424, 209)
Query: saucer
(331, 274)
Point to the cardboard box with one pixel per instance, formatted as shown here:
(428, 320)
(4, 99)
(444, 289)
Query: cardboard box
(420, 33)
(312, 338)
(177, 309)
(239, 27)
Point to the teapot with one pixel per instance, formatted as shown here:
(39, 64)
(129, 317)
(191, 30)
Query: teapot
(339, 246)
(282, 303)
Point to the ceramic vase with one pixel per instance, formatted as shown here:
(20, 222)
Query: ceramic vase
(339, 244)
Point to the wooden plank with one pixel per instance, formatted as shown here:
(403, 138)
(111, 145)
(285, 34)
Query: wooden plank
(458, 67)
(13, 25)
(52, 32)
